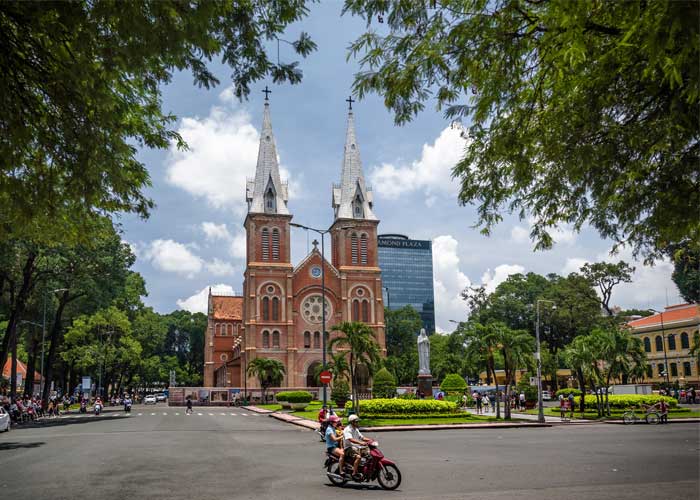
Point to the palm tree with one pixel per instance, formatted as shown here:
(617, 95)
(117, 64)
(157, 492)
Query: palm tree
(516, 346)
(269, 372)
(579, 357)
(481, 345)
(356, 343)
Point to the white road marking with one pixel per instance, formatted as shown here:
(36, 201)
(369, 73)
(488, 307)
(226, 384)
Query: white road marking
(164, 413)
(233, 414)
(244, 414)
(211, 414)
(222, 414)
(152, 414)
(177, 414)
(199, 414)
(140, 414)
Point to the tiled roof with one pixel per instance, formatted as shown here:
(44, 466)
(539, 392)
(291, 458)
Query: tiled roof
(671, 314)
(21, 369)
(227, 308)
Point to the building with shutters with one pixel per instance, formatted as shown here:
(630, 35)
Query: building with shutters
(281, 306)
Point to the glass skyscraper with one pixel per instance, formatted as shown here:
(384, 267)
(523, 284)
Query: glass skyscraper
(407, 275)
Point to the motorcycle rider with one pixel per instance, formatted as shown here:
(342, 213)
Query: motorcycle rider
(333, 442)
(355, 442)
(127, 403)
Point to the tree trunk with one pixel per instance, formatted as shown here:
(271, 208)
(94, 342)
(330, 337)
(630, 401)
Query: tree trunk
(17, 308)
(582, 387)
(31, 366)
(607, 402)
(55, 339)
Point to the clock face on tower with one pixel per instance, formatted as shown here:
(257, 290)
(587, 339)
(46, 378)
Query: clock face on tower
(316, 272)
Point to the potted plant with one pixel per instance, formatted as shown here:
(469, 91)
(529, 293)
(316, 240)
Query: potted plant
(340, 393)
(299, 400)
(281, 398)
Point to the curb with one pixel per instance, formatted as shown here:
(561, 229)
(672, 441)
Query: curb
(669, 421)
(255, 409)
(291, 419)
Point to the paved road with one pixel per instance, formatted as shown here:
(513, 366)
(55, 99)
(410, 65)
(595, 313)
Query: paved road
(163, 454)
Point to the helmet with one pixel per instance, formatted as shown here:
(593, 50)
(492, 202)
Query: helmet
(334, 419)
(353, 418)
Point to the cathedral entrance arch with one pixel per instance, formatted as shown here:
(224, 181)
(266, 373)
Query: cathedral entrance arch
(311, 379)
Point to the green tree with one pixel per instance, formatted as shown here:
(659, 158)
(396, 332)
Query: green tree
(453, 383)
(516, 346)
(383, 384)
(82, 89)
(686, 269)
(358, 342)
(482, 346)
(560, 98)
(402, 327)
(268, 371)
(605, 276)
(580, 358)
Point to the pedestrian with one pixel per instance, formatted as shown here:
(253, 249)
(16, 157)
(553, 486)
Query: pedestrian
(493, 404)
(465, 400)
(189, 406)
(478, 403)
(571, 403)
(521, 400)
(486, 402)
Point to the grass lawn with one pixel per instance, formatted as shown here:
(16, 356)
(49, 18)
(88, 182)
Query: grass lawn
(462, 419)
(615, 414)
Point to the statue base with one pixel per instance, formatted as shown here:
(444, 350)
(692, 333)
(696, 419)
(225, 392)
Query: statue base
(425, 385)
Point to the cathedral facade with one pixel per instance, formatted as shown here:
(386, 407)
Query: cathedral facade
(280, 312)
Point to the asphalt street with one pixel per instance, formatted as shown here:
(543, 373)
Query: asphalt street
(223, 453)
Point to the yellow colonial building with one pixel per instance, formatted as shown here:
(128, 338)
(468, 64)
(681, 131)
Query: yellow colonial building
(668, 338)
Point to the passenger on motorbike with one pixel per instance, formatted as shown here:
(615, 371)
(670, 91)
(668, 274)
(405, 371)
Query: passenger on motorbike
(323, 419)
(333, 442)
(355, 442)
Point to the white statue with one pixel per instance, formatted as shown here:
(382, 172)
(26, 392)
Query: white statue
(423, 353)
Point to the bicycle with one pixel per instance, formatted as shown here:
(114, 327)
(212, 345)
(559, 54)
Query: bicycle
(651, 417)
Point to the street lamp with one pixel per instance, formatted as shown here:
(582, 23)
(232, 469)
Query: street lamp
(538, 356)
(663, 339)
(388, 297)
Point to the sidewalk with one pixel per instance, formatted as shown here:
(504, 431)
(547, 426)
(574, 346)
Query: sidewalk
(533, 418)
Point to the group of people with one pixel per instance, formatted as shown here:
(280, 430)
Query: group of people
(28, 408)
(682, 395)
(346, 443)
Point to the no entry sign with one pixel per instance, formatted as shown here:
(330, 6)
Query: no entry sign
(325, 377)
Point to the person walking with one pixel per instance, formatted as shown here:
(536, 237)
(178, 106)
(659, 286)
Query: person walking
(189, 406)
(571, 404)
(486, 402)
(478, 404)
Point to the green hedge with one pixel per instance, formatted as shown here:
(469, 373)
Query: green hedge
(453, 382)
(566, 392)
(406, 416)
(294, 396)
(407, 395)
(623, 401)
(401, 406)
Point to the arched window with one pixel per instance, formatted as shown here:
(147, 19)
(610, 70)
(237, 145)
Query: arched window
(365, 311)
(647, 344)
(660, 367)
(230, 330)
(217, 329)
(265, 243)
(357, 210)
(674, 370)
(317, 340)
(266, 339)
(659, 343)
(270, 201)
(266, 308)
(275, 309)
(685, 343)
(276, 339)
(686, 369)
(353, 248)
(307, 340)
(356, 310)
(672, 342)
(275, 244)
(363, 249)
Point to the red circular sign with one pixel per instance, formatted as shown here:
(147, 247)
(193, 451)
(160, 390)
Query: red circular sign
(325, 377)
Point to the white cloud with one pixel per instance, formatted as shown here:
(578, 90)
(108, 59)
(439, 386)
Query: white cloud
(218, 267)
(237, 247)
(448, 282)
(563, 234)
(573, 265)
(491, 280)
(519, 234)
(214, 232)
(171, 256)
(431, 173)
(198, 301)
(222, 154)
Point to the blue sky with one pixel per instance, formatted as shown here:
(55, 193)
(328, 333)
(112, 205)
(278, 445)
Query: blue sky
(193, 238)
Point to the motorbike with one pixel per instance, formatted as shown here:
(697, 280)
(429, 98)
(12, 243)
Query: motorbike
(375, 467)
(127, 407)
(83, 407)
(98, 409)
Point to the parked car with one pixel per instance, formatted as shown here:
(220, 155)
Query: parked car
(4, 420)
(161, 397)
(546, 396)
(150, 399)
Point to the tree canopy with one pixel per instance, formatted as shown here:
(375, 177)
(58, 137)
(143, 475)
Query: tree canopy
(577, 112)
(81, 90)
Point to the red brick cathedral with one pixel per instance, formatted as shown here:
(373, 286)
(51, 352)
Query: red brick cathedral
(280, 313)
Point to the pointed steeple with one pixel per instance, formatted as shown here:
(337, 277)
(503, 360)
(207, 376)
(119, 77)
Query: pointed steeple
(266, 193)
(352, 198)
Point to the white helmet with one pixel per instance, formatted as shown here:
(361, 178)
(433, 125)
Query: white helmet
(353, 418)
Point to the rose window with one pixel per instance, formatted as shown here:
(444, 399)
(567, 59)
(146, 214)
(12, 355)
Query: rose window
(311, 309)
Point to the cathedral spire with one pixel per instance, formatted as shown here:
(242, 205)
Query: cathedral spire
(266, 193)
(352, 198)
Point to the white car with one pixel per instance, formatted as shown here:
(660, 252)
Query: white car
(161, 397)
(150, 399)
(4, 420)
(546, 396)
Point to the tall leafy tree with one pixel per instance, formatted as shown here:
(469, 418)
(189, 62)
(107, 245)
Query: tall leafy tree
(686, 269)
(559, 99)
(605, 276)
(82, 88)
(580, 358)
(358, 342)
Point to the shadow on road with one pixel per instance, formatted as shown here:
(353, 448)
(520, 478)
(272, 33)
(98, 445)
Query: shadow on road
(357, 486)
(14, 446)
(59, 422)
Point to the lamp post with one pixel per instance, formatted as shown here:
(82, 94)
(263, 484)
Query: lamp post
(538, 356)
(388, 297)
(663, 342)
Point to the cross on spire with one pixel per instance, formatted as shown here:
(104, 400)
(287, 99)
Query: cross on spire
(266, 92)
(315, 244)
(350, 100)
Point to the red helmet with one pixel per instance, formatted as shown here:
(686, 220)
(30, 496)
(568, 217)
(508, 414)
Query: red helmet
(334, 419)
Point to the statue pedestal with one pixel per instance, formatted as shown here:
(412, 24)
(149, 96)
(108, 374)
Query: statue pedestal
(425, 385)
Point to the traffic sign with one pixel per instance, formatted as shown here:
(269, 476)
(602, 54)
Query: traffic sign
(325, 377)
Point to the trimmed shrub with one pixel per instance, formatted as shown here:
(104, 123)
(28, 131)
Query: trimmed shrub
(453, 382)
(407, 395)
(383, 384)
(566, 392)
(294, 396)
(400, 406)
(407, 416)
(623, 401)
